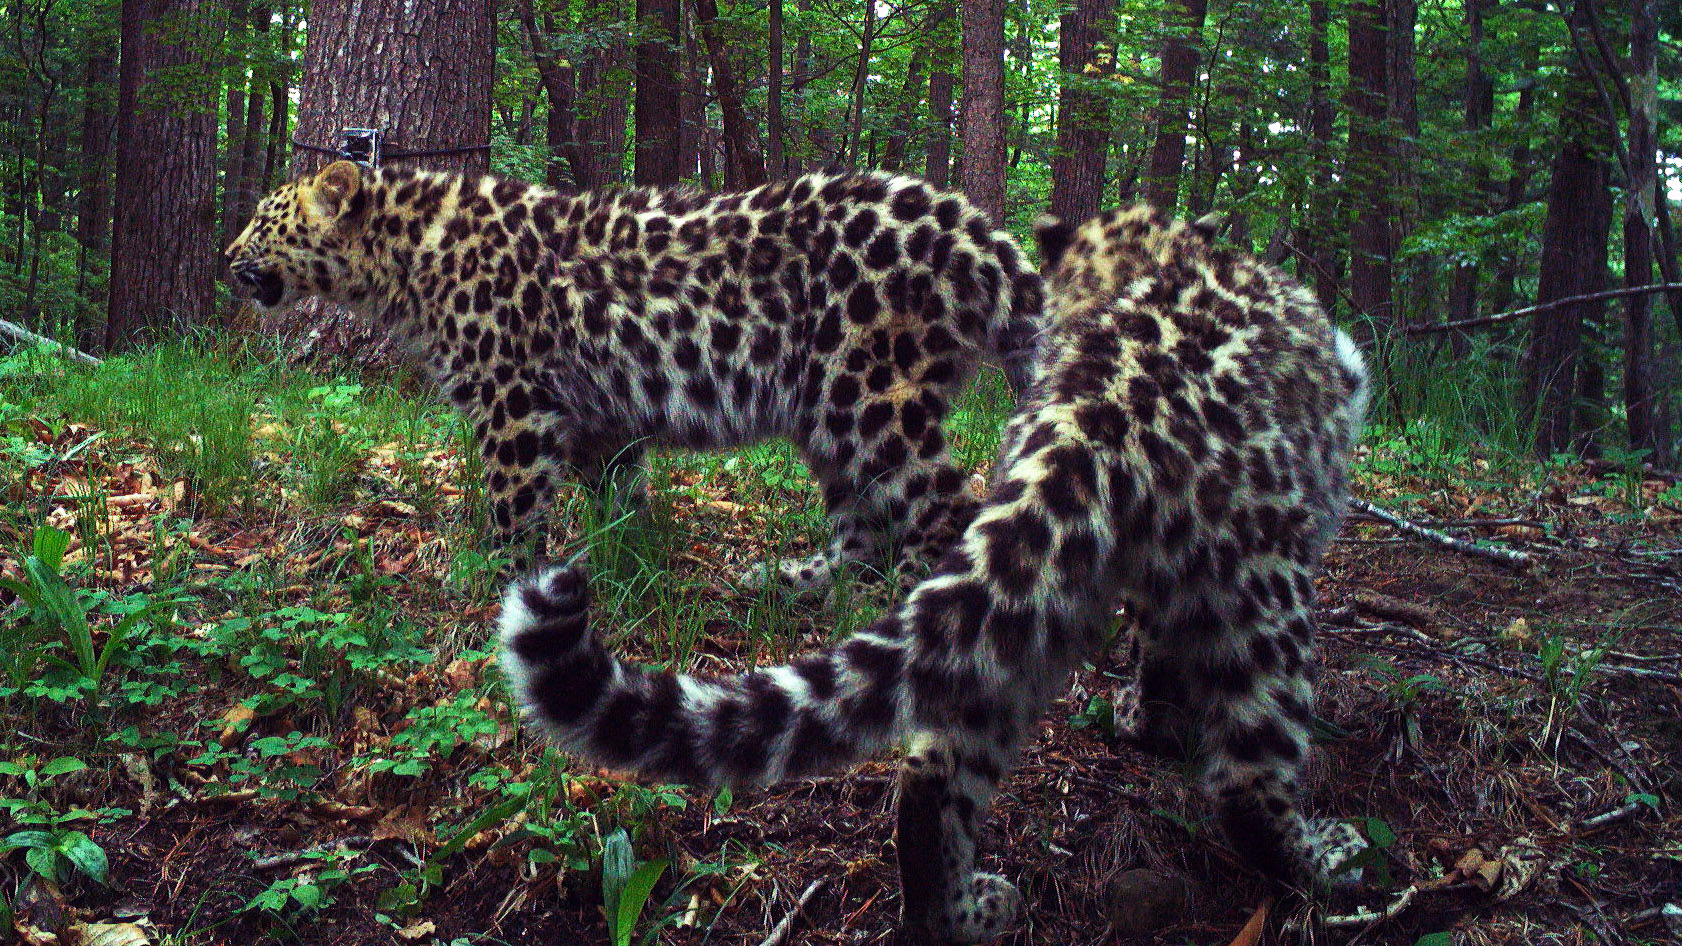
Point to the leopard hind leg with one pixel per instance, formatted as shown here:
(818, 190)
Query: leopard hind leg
(944, 791)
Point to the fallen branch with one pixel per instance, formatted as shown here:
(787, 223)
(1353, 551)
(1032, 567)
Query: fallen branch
(783, 932)
(1542, 307)
(288, 858)
(1612, 817)
(1365, 917)
(1504, 556)
(22, 334)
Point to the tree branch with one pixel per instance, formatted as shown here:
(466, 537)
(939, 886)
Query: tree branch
(1534, 309)
(25, 335)
(1504, 556)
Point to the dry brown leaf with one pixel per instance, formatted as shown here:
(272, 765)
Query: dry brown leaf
(415, 931)
(1251, 934)
(107, 934)
(235, 723)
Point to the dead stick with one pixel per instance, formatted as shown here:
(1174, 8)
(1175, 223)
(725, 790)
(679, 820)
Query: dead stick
(1505, 556)
(22, 334)
(1543, 307)
(288, 858)
(783, 931)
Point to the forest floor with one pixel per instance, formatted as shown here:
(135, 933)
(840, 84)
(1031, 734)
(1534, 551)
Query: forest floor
(297, 733)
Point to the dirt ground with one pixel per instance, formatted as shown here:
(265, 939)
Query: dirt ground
(1511, 734)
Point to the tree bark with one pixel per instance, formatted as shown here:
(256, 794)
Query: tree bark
(1184, 30)
(1573, 263)
(1646, 422)
(657, 121)
(981, 171)
(937, 165)
(744, 164)
(855, 114)
(775, 160)
(1480, 111)
(1085, 53)
(163, 254)
(93, 201)
(905, 119)
(421, 72)
(250, 185)
(1517, 185)
(1317, 260)
(1372, 246)
(233, 108)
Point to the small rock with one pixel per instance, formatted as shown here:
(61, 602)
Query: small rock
(1142, 901)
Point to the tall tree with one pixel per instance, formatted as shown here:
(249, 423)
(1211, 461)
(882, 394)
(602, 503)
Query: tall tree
(744, 164)
(1479, 112)
(1372, 244)
(775, 160)
(937, 166)
(420, 72)
(1183, 38)
(1318, 254)
(861, 73)
(93, 198)
(1647, 428)
(1084, 55)
(163, 253)
(658, 26)
(981, 172)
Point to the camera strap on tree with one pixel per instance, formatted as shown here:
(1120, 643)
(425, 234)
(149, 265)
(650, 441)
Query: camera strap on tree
(365, 146)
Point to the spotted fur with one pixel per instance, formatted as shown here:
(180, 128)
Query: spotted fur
(843, 311)
(1183, 454)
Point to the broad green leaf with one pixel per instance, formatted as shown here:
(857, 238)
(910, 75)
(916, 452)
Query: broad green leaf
(29, 839)
(43, 861)
(49, 545)
(617, 867)
(307, 894)
(88, 857)
(62, 765)
(634, 897)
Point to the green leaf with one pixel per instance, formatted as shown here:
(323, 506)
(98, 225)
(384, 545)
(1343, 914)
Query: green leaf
(490, 817)
(88, 857)
(28, 839)
(62, 765)
(308, 895)
(60, 602)
(49, 545)
(1379, 833)
(1435, 939)
(617, 867)
(11, 768)
(43, 861)
(634, 897)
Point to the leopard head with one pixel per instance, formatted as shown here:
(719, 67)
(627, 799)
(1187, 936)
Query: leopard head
(302, 241)
(1097, 258)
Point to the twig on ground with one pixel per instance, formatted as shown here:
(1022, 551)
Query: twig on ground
(783, 932)
(22, 334)
(288, 858)
(1612, 817)
(1365, 917)
(1502, 555)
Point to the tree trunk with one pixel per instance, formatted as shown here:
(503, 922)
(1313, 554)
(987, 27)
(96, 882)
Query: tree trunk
(163, 254)
(1084, 54)
(1517, 185)
(1184, 28)
(855, 115)
(744, 164)
(1573, 263)
(776, 162)
(1480, 110)
(250, 185)
(905, 119)
(233, 116)
(1372, 246)
(1646, 428)
(981, 172)
(1317, 259)
(657, 120)
(937, 165)
(1407, 293)
(421, 72)
(93, 201)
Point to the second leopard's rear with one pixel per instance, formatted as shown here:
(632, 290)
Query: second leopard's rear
(1183, 454)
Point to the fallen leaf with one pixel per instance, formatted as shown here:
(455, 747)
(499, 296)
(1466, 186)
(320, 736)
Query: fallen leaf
(1251, 934)
(417, 930)
(235, 722)
(107, 934)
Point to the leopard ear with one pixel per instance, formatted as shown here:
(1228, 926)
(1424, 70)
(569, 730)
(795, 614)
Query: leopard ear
(335, 187)
(1209, 225)
(1053, 237)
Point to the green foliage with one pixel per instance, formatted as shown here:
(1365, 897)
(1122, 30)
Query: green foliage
(626, 886)
(52, 849)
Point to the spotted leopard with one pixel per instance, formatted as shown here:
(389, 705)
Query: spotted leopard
(844, 311)
(1183, 454)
